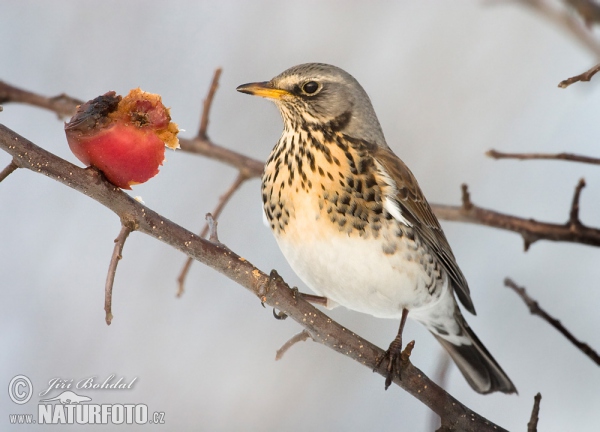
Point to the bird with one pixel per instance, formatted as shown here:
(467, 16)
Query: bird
(353, 223)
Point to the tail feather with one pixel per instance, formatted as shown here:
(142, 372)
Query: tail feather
(475, 362)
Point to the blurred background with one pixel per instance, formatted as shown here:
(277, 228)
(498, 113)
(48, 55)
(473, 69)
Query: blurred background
(449, 80)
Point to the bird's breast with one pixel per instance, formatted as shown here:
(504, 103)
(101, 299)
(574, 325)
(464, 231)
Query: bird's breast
(324, 201)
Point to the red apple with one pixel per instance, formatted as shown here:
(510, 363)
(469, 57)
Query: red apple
(124, 138)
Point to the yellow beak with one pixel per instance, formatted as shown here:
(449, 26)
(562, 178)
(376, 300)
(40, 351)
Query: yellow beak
(263, 89)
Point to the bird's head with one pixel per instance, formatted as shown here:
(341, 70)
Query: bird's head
(317, 95)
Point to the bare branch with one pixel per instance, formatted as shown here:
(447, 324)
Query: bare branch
(208, 104)
(535, 309)
(223, 200)
(587, 9)
(554, 156)
(574, 221)
(126, 228)
(300, 337)
(212, 229)
(535, 412)
(272, 291)
(586, 76)
(530, 229)
(565, 21)
(62, 105)
(10, 168)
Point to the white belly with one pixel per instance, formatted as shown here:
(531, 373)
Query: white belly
(356, 273)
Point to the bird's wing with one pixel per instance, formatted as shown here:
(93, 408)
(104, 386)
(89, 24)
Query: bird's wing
(415, 209)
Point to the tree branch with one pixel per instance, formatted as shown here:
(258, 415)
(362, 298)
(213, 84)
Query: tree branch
(586, 76)
(565, 21)
(535, 412)
(208, 104)
(530, 229)
(554, 156)
(270, 290)
(223, 200)
(63, 105)
(10, 168)
(300, 337)
(535, 309)
(126, 228)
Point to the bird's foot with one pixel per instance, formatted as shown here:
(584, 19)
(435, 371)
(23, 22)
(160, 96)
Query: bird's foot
(393, 357)
(397, 359)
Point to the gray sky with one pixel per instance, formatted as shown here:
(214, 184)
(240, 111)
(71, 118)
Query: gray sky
(449, 80)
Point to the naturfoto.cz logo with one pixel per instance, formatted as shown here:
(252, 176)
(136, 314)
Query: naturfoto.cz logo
(69, 407)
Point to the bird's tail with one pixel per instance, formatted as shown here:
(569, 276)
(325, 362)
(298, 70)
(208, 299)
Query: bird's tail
(475, 362)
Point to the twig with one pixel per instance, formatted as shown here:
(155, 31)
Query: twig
(223, 200)
(63, 105)
(126, 228)
(586, 76)
(208, 104)
(272, 291)
(300, 337)
(535, 309)
(554, 156)
(10, 168)
(587, 9)
(535, 412)
(530, 229)
(212, 228)
(565, 21)
(574, 221)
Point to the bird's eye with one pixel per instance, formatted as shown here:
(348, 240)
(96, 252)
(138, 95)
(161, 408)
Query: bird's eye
(310, 87)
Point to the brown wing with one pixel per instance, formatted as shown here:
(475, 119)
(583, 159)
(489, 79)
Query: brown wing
(416, 210)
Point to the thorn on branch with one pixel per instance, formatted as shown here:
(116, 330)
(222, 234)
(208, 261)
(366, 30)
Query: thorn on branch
(126, 228)
(300, 337)
(406, 352)
(466, 197)
(10, 168)
(202, 134)
(574, 221)
(535, 412)
(535, 309)
(586, 76)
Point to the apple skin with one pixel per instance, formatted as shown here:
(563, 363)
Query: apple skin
(123, 137)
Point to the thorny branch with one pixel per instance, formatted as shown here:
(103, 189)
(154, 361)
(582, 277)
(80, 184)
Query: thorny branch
(554, 156)
(535, 309)
(126, 228)
(535, 413)
(270, 290)
(530, 229)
